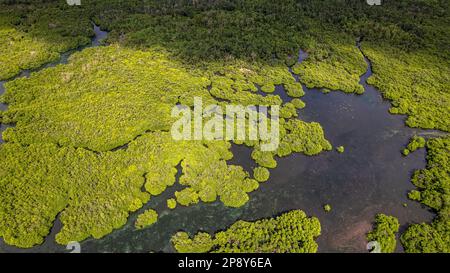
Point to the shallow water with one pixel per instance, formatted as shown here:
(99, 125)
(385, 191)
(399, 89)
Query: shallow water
(370, 177)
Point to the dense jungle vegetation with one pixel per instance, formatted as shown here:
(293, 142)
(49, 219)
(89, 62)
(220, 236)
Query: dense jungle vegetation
(90, 133)
(291, 232)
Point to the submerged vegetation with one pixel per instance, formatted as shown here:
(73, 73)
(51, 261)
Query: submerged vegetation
(384, 232)
(291, 232)
(92, 134)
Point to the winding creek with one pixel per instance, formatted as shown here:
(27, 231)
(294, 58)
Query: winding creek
(370, 177)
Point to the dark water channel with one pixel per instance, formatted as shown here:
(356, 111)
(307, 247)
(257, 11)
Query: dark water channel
(370, 177)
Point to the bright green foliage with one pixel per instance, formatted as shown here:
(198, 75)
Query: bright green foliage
(187, 197)
(117, 95)
(427, 238)
(327, 208)
(100, 189)
(384, 232)
(288, 110)
(296, 136)
(414, 195)
(201, 243)
(171, 203)
(101, 100)
(407, 42)
(69, 106)
(305, 137)
(415, 143)
(433, 185)
(205, 171)
(292, 232)
(268, 88)
(284, 149)
(261, 174)
(294, 90)
(334, 63)
(340, 149)
(93, 192)
(147, 218)
(264, 158)
(418, 84)
(249, 185)
(236, 81)
(434, 181)
(298, 103)
(28, 209)
(34, 34)
(211, 35)
(405, 152)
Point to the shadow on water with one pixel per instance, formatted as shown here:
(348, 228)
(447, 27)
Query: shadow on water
(370, 177)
